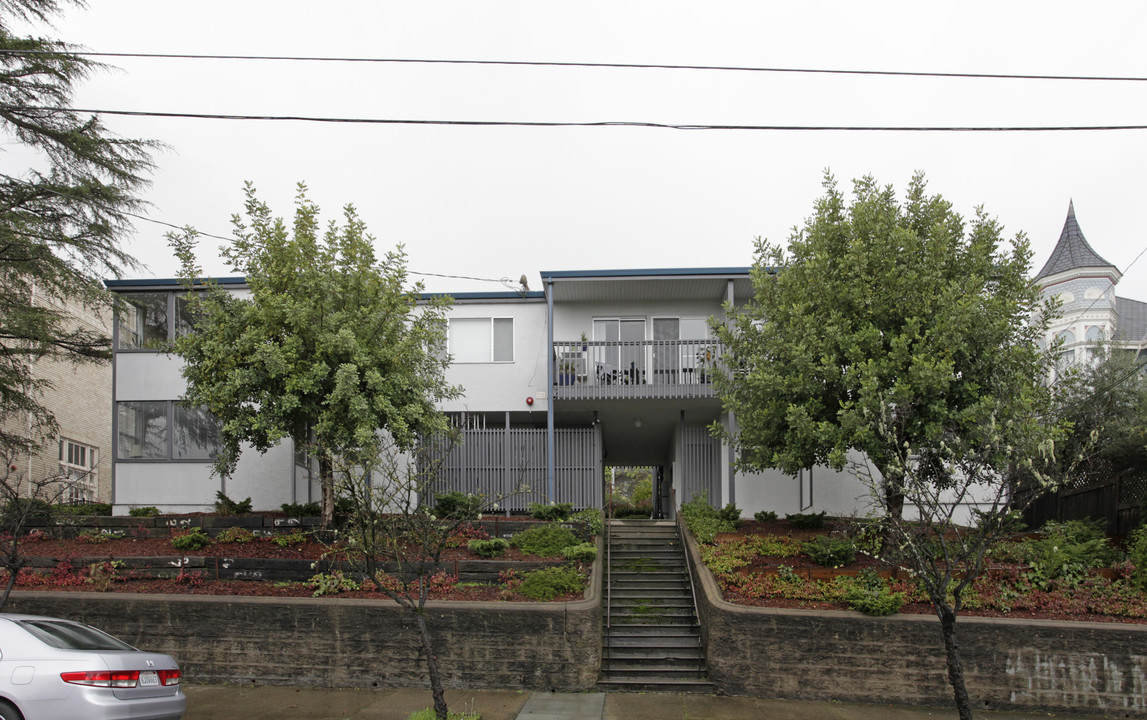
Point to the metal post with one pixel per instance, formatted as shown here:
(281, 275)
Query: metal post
(550, 392)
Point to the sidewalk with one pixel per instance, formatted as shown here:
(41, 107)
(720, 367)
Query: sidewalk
(225, 702)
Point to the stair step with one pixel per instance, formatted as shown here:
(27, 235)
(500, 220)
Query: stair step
(646, 685)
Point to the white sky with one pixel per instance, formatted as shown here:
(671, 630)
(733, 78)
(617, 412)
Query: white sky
(500, 202)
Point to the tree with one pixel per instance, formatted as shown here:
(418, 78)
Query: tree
(879, 306)
(23, 501)
(60, 222)
(329, 349)
(889, 331)
(386, 492)
(1104, 403)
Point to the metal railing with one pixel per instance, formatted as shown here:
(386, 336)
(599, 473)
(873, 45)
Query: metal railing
(597, 369)
(688, 569)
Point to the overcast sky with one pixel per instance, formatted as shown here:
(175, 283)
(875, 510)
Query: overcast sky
(500, 202)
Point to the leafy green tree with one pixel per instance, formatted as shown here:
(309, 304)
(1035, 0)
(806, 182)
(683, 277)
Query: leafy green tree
(61, 220)
(896, 333)
(1104, 403)
(329, 349)
(880, 310)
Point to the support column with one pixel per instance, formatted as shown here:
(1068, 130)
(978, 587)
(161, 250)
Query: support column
(550, 391)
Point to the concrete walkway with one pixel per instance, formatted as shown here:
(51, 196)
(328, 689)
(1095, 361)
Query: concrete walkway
(235, 702)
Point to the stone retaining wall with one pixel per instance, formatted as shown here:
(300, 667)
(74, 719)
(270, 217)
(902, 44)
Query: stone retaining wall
(1013, 664)
(334, 642)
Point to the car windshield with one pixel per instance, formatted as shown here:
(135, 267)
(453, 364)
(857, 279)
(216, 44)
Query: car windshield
(72, 636)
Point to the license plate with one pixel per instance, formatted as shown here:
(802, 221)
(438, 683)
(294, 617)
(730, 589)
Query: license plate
(148, 678)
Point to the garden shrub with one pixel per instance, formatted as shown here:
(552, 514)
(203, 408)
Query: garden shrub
(872, 596)
(83, 510)
(581, 553)
(97, 537)
(622, 510)
(591, 518)
(331, 583)
(1067, 550)
(806, 521)
(311, 509)
(144, 511)
(730, 513)
(554, 512)
(548, 583)
(545, 540)
(765, 516)
(488, 548)
(101, 575)
(295, 537)
(429, 714)
(226, 506)
(830, 551)
(1137, 554)
(31, 508)
(193, 539)
(235, 535)
(458, 506)
(705, 521)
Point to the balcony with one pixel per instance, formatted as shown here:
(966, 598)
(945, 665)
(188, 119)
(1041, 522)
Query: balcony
(611, 370)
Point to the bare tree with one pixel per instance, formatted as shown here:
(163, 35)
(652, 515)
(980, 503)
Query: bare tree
(24, 499)
(390, 521)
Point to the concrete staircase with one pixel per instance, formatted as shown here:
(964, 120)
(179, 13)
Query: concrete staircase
(652, 642)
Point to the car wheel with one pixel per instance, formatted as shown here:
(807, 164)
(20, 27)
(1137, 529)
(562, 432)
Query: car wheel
(8, 711)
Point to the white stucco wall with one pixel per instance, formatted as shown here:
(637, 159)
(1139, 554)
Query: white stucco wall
(572, 319)
(504, 386)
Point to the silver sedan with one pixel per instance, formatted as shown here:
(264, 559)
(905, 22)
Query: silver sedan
(52, 669)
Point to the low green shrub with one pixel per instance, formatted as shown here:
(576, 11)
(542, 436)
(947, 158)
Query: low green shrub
(27, 509)
(458, 506)
(311, 509)
(488, 548)
(705, 521)
(295, 537)
(97, 537)
(1068, 550)
(553, 512)
(581, 553)
(83, 510)
(730, 513)
(226, 506)
(144, 511)
(428, 714)
(331, 583)
(235, 535)
(591, 518)
(548, 583)
(830, 551)
(806, 521)
(872, 596)
(623, 510)
(1137, 554)
(193, 539)
(545, 540)
(765, 516)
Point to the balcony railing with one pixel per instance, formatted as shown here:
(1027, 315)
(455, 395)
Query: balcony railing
(634, 369)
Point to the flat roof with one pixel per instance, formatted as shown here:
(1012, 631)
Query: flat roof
(645, 272)
(169, 282)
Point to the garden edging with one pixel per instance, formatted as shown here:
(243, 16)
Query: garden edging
(843, 655)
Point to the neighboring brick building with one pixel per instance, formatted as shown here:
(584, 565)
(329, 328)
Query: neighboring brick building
(80, 398)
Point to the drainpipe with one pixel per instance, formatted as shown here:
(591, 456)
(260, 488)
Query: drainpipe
(550, 391)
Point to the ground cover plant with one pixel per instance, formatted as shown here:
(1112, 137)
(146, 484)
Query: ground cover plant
(1067, 570)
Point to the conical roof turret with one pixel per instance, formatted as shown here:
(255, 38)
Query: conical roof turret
(1072, 251)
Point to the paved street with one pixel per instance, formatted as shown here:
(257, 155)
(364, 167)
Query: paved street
(222, 702)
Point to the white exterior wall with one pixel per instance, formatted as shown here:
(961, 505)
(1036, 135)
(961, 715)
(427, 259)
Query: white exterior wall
(501, 386)
(572, 319)
(1086, 301)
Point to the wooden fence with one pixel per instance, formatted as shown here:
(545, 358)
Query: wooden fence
(1116, 500)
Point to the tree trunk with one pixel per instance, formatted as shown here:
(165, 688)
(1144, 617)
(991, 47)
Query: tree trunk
(13, 571)
(327, 483)
(436, 688)
(955, 664)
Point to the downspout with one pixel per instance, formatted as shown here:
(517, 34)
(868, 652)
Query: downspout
(550, 391)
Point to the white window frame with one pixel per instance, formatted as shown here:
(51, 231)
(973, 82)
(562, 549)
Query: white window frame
(490, 357)
(79, 464)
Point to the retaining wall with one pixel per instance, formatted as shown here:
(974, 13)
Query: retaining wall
(1012, 664)
(328, 642)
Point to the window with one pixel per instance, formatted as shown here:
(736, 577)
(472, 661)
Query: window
(1094, 334)
(482, 340)
(79, 464)
(143, 321)
(142, 432)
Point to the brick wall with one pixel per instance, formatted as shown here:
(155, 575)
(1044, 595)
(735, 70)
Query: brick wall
(1013, 664)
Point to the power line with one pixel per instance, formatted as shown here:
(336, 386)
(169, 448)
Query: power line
(603, 65)
(608, 123)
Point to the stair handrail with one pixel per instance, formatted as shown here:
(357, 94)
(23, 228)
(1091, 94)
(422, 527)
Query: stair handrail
(609, 560)
(688, 571)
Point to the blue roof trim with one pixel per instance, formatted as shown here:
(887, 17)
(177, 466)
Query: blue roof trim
(643, 272)
(173, 282)
(492, 295)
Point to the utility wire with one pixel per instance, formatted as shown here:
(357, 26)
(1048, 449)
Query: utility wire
(618, 123)
(626, 66)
